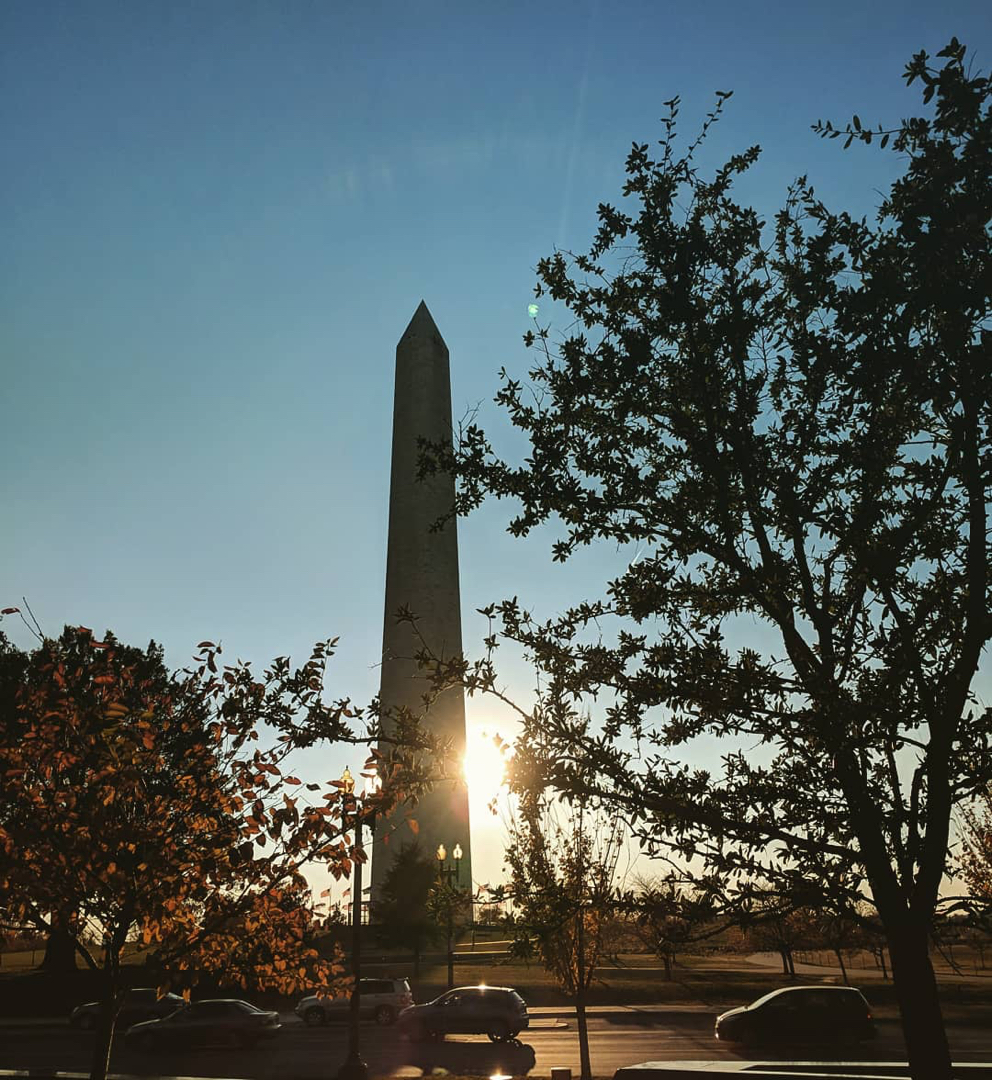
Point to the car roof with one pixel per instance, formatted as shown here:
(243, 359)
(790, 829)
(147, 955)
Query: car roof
(220, 1001)
(813, 986)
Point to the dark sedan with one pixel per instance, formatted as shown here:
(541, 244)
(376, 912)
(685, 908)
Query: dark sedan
(142, 1003)
(218, 1022)
(799, 1014)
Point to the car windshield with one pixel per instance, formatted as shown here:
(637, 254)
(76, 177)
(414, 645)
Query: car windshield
(782, 992)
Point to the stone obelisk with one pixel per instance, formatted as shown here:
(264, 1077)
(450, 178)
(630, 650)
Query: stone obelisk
(422, 576)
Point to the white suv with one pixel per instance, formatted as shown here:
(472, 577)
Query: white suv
(381, 999)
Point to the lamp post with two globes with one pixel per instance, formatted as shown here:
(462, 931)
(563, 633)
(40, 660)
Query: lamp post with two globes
(448, 875)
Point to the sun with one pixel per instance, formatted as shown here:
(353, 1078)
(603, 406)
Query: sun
(485, 766)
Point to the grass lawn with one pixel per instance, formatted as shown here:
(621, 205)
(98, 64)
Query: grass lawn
(714, 980)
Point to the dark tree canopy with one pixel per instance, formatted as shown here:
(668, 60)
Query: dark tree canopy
(138, 805)
(401, 911)
(790, 422)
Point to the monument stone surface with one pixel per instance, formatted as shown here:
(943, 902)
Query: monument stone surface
(422, 575)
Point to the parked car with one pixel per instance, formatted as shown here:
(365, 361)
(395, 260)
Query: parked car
(800, 1013)
(215, 1022)
(140, 1004)
(496, 1011)
(381, 999)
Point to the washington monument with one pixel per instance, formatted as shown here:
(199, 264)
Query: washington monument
(422, 576)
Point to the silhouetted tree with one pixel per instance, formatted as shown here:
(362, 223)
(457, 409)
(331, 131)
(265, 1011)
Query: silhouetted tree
(145, 679)
(401, 910)
(562, 863)
(790, 425)
(197, 856)
(669, 916)
(779, 924)
(975, 857)
(841, 931)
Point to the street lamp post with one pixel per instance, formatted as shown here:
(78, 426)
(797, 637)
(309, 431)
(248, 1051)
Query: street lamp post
(449, 876)
(354, 1068)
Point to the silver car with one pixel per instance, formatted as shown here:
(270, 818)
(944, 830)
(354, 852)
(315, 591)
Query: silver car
(496, 1011)
(381, 1000)
(216, 1022)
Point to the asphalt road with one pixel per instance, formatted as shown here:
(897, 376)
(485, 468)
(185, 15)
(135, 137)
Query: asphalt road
(300, 1053)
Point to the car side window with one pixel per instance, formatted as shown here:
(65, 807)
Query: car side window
(212, 1010)
(785, 1003)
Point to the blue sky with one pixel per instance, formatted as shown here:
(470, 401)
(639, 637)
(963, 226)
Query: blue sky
(218, 219)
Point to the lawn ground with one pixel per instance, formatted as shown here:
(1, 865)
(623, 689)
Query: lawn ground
(713, 980)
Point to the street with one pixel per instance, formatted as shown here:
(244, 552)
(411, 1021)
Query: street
(301, 1053)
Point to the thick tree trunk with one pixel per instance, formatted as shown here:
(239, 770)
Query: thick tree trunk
(927, 1051)
(667, 961)
(60, 952)
(60, 949)
(785, 961)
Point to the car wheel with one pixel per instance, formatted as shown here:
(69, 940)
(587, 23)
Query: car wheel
(498, 1032)
(86, 1022)
(145, 1043)
(384, 1015)
(314, 1016)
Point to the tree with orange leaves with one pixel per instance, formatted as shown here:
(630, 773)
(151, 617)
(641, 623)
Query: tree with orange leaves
(142, 806)
(975, 855)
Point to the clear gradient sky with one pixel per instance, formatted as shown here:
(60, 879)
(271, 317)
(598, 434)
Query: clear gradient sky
(219, 217)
